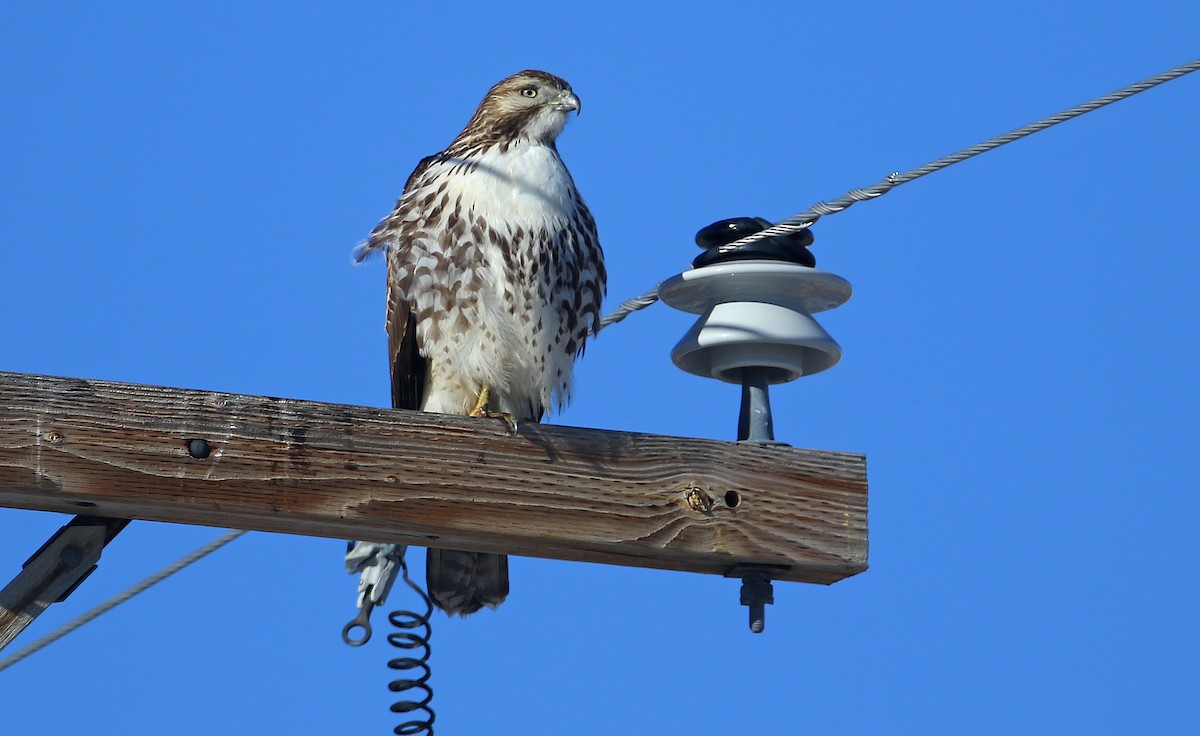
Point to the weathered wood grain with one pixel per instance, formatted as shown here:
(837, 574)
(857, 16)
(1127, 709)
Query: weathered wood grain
(300, 467)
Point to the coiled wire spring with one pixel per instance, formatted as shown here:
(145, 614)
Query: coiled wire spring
(413, 633)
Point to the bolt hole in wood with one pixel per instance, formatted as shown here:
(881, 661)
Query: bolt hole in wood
(732, 499)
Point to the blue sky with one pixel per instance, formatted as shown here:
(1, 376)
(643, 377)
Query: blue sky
(181, 185)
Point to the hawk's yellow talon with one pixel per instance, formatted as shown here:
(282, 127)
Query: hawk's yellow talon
(483, 410)
(481, 405)
(509, 419)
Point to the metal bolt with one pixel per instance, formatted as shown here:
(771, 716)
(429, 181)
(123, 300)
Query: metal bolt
(71, 556)
(199, 449)
(756, 593)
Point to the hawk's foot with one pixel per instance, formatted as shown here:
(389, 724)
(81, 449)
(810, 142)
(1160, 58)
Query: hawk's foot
(509, 420)
(483, 410)
(481, 405)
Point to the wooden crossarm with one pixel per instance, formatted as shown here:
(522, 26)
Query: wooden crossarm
(301, 467)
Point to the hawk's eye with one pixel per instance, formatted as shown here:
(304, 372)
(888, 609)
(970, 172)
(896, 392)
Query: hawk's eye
(529, 91)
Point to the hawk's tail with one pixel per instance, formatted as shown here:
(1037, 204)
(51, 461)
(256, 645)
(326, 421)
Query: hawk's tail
(464, 582)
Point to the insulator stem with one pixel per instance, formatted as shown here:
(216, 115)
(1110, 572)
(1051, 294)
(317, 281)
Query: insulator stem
(754, 422)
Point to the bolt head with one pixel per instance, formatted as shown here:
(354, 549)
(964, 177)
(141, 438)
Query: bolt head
(199, 449)
(71, 556)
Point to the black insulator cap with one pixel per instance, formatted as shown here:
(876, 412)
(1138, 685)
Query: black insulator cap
(791, 248)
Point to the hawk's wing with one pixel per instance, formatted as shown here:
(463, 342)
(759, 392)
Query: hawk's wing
(404, 358)
(408, 367)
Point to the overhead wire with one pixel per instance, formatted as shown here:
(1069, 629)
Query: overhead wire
(120, 598)
(805, 219)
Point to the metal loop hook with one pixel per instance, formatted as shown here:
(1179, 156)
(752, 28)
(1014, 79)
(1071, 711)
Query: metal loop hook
(363, 621)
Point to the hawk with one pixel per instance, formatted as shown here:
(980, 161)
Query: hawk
(494, 281)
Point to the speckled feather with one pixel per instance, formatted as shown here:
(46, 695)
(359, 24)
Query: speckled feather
(495, 278)
(494, 258)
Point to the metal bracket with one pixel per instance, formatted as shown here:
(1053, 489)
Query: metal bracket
(378, 565)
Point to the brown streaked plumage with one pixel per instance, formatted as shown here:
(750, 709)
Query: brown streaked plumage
(495, 278)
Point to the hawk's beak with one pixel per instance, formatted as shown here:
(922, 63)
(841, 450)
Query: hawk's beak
(567, 101)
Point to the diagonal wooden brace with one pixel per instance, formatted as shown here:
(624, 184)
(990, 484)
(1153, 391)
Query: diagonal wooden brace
(54, 571)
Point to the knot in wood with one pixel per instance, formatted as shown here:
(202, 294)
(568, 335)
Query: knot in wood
(698, 500)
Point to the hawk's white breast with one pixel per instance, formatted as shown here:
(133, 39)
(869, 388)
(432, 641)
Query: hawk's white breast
(520, 206)
(527, 184)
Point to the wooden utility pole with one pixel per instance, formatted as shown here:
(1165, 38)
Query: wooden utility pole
(300, 467)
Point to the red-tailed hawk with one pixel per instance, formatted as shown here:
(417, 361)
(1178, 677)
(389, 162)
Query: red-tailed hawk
(495, 277)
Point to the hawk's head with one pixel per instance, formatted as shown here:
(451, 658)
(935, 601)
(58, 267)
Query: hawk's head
(530, 104)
